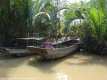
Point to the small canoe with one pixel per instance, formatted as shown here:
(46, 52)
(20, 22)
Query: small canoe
(59, 50)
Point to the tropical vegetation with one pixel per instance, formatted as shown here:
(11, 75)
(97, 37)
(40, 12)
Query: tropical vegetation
(50, 18)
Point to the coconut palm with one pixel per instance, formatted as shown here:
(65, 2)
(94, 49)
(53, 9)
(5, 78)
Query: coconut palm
(53, 23)
(71, 19)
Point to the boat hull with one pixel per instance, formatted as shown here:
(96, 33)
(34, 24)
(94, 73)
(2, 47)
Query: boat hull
(19, 52)
(54, 52)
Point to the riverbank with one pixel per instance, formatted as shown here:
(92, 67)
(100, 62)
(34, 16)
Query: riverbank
(78, 66)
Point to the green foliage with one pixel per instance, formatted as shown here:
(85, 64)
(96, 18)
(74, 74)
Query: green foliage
(70, 14)
(41, 24)
(93, 30)
(15, 18)
(94, 27)
(41, 17)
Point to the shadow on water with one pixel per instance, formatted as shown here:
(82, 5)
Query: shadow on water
(87, 59)
(78, 58)
(46, 66)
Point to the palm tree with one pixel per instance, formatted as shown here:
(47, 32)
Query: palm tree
(70, 16)
(94, 27)
(53, 21)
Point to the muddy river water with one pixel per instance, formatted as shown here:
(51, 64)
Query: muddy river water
(78, 66)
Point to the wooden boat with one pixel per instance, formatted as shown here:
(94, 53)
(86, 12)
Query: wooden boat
(22, 51)
(18, 52)
(59, 50)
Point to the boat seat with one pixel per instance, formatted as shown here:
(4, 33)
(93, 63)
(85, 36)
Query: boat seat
(47, 45)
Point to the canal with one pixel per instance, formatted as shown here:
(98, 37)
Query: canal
(77, 66)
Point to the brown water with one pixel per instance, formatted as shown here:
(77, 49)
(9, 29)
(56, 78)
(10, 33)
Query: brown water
(74, 67)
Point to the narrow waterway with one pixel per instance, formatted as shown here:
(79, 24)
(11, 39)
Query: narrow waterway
(77, 66)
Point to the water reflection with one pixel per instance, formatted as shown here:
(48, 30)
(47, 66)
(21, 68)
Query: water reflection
(62, 76)
(83, 59)
(45, 66)
(73, 67)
